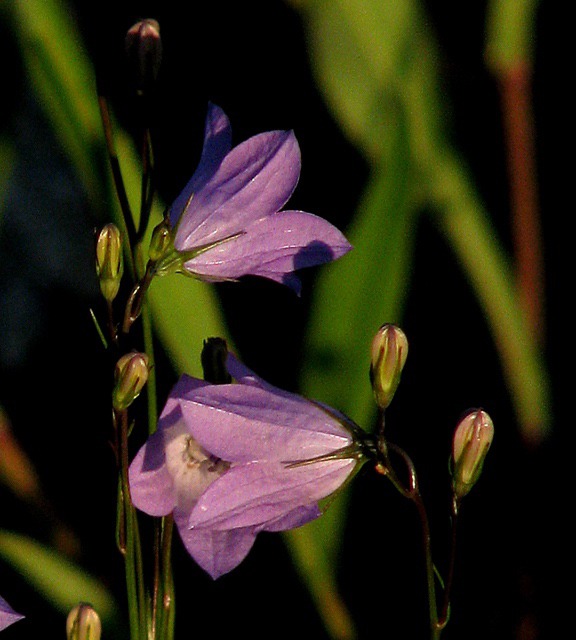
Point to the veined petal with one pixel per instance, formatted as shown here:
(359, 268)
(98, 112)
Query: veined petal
(217, 143)
(241, 423)
(253, 181)
(295, 518)
(260, 492)
(217, 552)
(273, 247)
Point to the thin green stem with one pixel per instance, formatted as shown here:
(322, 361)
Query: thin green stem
(146, 188)
(411, 491)
(130, 539)
(445, 611)
(435, 628)
(168, 601)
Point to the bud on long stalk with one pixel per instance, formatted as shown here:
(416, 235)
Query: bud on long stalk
(109, 263)
(472, 439)
(389, 353)
(131, 375)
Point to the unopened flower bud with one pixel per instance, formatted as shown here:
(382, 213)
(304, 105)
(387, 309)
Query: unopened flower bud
(389, 353)
(83, 623)
(160, 242)
(131, 375)
(472, 439)
(144, 52)
(109, 263)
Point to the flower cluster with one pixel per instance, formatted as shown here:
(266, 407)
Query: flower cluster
(233, 460)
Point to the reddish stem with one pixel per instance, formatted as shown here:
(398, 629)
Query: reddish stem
(516, 93)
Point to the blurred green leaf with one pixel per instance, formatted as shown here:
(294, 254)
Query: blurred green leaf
(384, 54)
(510, 33)
(61, 582)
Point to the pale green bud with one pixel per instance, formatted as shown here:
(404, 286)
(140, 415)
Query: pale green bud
(472, 439)
(161, 241)
(389, 353)
(83, 623)
(131, 374)
(109, 262)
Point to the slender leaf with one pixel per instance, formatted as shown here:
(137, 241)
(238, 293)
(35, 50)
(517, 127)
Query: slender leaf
(60, 581)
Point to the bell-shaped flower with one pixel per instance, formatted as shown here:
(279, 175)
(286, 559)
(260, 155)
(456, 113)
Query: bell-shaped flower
(232, 460)
(227, 222)
(7, 615)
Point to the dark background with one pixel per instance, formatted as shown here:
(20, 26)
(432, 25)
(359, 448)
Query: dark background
(516, 543)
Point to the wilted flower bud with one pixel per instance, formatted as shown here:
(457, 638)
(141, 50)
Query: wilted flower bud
(83, 623)
(470, 445)
(130, 375)
(109, 263)
(389, 353)
(144, 51)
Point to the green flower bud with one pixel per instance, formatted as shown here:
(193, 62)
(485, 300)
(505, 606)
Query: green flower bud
(161, 242)
(131, 375)
(389, 353)
(144, 52)
(472, 439)
(83, 623)
(109, 263)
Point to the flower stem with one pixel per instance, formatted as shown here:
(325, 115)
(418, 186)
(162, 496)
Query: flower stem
(130, 539)
(445, 611)
(411, 491)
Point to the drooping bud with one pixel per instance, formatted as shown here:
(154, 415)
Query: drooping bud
(109, 262)
(144, 52)
(83, 623)
(131, 375)
(214, 355)
(389, 353)
(472, 439)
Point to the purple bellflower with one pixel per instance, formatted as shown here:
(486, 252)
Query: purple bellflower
(232, 460)
(227, 222)
(7, 614)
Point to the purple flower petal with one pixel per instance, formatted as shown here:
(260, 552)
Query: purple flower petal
(155, 480)
(296, 518)
(151, 485)
(217, 143)
(253, 181)
(259, 424)
(253, 494)
(233, 460)
(7, 615)
(273, 247)
(217, 552)
(227, 221)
